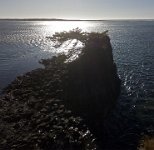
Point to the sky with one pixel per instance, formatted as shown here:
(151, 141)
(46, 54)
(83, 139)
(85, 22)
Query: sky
(78, 9)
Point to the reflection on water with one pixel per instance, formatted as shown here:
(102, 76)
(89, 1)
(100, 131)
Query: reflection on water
(72, 48)
(23, 43)
(56, 26)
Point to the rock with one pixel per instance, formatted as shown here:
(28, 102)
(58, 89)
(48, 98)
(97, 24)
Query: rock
(57, 107)
(93, 86)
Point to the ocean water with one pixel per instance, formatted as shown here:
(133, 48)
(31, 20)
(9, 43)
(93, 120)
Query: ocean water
(24, 43)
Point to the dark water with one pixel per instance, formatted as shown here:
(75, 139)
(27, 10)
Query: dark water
(22, 44)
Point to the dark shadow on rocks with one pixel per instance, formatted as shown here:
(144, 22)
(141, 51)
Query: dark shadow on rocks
(93, 85)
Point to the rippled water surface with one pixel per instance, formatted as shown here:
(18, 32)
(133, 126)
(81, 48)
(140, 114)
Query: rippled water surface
(24, 43)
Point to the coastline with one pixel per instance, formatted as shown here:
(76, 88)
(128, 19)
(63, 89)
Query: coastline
(35, 108)
(34, 102)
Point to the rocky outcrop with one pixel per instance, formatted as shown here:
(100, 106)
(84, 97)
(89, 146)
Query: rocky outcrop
(51, 108)
(93, 85)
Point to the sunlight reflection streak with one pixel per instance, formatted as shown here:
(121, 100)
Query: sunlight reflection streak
(48, 28)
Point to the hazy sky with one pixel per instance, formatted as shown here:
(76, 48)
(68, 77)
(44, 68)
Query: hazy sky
(77, 9)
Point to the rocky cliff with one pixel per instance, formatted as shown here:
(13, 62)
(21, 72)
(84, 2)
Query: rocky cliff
(56, 107)
(92, 88)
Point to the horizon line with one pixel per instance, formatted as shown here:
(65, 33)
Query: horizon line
(64, 19)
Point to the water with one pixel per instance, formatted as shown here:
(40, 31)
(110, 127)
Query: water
(24, 43)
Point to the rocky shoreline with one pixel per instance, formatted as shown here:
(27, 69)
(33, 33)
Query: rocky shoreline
(60, 106)
(34, 117)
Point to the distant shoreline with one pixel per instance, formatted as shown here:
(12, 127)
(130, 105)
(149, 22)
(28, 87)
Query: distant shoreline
(50, 19)
(41, 19)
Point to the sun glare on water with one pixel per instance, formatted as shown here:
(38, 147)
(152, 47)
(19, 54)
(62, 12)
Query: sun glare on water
(58, 26)
(48, 28)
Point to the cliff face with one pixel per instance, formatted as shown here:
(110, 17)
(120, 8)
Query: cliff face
(93, 85)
